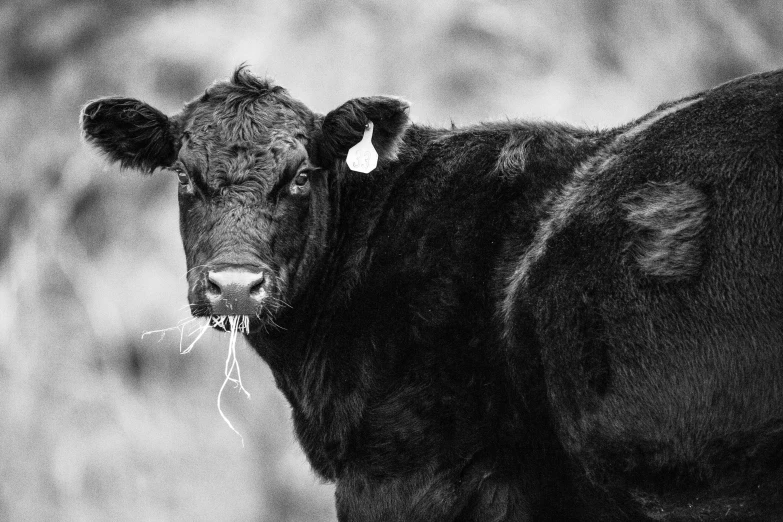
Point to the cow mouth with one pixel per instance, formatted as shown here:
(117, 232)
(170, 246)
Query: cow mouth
(246, 324)
(262, 318)
(230, 323)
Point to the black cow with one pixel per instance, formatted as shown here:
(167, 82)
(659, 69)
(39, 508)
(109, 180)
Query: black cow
(516, 321)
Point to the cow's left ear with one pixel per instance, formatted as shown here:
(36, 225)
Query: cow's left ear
(344, 127)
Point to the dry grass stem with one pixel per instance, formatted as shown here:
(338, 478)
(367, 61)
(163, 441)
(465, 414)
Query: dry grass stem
(234, 324)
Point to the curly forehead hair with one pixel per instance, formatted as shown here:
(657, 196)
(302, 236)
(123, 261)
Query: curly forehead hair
(248, 108)
(244, 84)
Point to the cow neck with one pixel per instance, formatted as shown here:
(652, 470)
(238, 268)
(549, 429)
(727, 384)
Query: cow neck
(323, 382)
(324, 368)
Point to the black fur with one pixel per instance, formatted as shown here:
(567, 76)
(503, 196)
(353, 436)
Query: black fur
(130, 132)
(671, 241)
(669, 223)
(511, 321)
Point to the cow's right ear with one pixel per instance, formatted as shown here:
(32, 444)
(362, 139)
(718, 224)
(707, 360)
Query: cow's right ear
(131, 133)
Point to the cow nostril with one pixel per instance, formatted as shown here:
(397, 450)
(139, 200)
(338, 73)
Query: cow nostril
(257, 287)
(213, 287)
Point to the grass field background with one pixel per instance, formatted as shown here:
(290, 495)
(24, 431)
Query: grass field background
(98, 423)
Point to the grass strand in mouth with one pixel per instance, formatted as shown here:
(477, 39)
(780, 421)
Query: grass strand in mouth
(234, 324)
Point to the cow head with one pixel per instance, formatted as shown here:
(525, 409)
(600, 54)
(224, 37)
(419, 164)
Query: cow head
(257, 173)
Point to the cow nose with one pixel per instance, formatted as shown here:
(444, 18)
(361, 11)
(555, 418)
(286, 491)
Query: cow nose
(235, 292)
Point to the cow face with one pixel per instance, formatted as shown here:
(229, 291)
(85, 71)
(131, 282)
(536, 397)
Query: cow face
(257, 174)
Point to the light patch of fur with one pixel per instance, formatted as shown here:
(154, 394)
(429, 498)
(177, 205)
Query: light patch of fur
(560, 211)
(392, 152)
(671, 218)
(651, 120)
(569, 199)
(234, 324)
(513, 155)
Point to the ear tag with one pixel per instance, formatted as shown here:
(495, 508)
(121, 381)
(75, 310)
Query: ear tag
(363, 157)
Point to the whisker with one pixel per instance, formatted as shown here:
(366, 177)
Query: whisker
(273, 323)
(278, 301)
(185, 275)
(281, 301)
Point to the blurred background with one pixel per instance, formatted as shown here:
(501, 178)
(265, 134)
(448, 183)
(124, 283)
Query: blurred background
(98, 423)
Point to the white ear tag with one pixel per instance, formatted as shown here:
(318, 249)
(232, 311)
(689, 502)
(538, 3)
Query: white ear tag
(362, 157)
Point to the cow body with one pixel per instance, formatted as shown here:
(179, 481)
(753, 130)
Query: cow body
(505, 322)
(654, 290)
(391, 360)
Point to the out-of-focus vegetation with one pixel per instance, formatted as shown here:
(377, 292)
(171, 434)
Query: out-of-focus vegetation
(97, 423)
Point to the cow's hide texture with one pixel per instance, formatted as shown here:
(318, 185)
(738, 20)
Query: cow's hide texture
(503, 322)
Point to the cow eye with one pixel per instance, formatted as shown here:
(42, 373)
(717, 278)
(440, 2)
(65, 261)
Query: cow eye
(300, 179)
(182, 176)
(300, 184)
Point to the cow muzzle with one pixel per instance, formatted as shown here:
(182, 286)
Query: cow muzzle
(235, 292)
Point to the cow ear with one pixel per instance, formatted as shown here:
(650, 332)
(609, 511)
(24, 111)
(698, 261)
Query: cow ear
(131, 133)
(344, 127)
